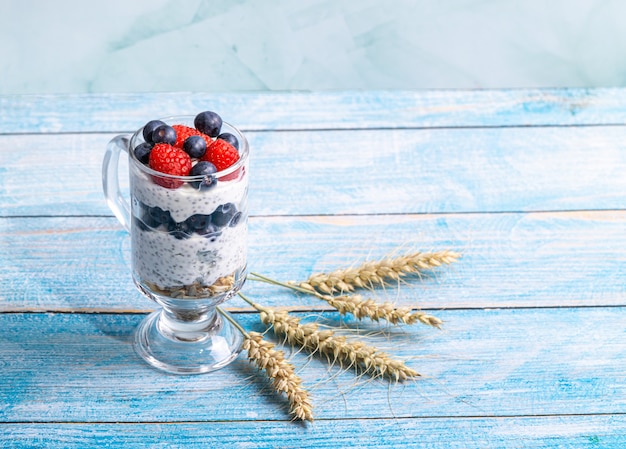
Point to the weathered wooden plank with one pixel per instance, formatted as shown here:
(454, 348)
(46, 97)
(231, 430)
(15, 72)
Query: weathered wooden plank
(314, 110)
(498, 363)
(607, 432)
(347, 172)
(509, 260)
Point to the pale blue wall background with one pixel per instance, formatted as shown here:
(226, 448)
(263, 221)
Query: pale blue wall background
(61, 46)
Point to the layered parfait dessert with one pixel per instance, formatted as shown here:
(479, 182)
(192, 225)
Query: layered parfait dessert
(189, 185)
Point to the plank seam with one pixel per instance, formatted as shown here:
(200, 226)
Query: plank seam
(347, 215)
(297, 309)
(327, 129)
(365, 418)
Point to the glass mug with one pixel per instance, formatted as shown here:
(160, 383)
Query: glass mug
(188, 252)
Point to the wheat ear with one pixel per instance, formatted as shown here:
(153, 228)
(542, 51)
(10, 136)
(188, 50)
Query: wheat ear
(372, 273)
(362, 307)
(336, 347)
(282, 373)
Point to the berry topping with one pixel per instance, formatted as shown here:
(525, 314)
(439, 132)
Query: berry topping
(209, 123)
(170, 160)
(164, 134)
(195, 146)
(142, 152)
(149, 128)
(184, 132)
(207, 171)
(206, 148)
(230, 138)
(221, 154)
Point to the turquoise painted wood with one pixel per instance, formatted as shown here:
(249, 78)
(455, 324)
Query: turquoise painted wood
(318, 110)
(526, 184)
(357, 172)
(81, 368)
(576, 432)
(509, 260)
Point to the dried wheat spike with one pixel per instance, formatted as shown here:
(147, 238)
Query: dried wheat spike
(336, 347)
(281, 373)
(372, 273)
(368, 308)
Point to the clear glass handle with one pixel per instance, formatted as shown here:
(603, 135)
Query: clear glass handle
(110, 180)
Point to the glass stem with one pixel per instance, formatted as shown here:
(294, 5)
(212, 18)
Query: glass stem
(188, 325)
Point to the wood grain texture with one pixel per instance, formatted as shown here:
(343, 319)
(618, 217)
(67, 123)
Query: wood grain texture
(315, 110)
(509, 260)
(528, 185)
(349, 172)
(498, 363)
(571, 432)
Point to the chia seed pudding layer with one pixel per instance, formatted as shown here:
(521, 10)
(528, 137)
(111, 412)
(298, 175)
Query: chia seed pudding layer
(170, 261)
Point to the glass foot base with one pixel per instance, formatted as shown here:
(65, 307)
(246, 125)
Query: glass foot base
(201, 350)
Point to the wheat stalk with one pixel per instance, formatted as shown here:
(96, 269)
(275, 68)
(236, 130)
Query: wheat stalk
(362, 307)
(281, 373)
(337, 347)
(372, 273)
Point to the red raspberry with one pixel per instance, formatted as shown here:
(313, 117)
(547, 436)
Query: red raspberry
(222, 154)
(170, 160)
(182, 132)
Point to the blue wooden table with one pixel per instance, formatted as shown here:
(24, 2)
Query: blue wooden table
(528, 185)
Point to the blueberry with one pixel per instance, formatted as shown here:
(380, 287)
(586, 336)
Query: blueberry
(212, 232)
(199, 222)
(149, 220)
(206, 170)
(235, 220)
(142, 152)
(164, 134)
(209, 123)
(230, 138)
(160, 217)
(223, 214)
(180, 230)
(195, 146)
(149, 128)
(143, 216)
(140, 224)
